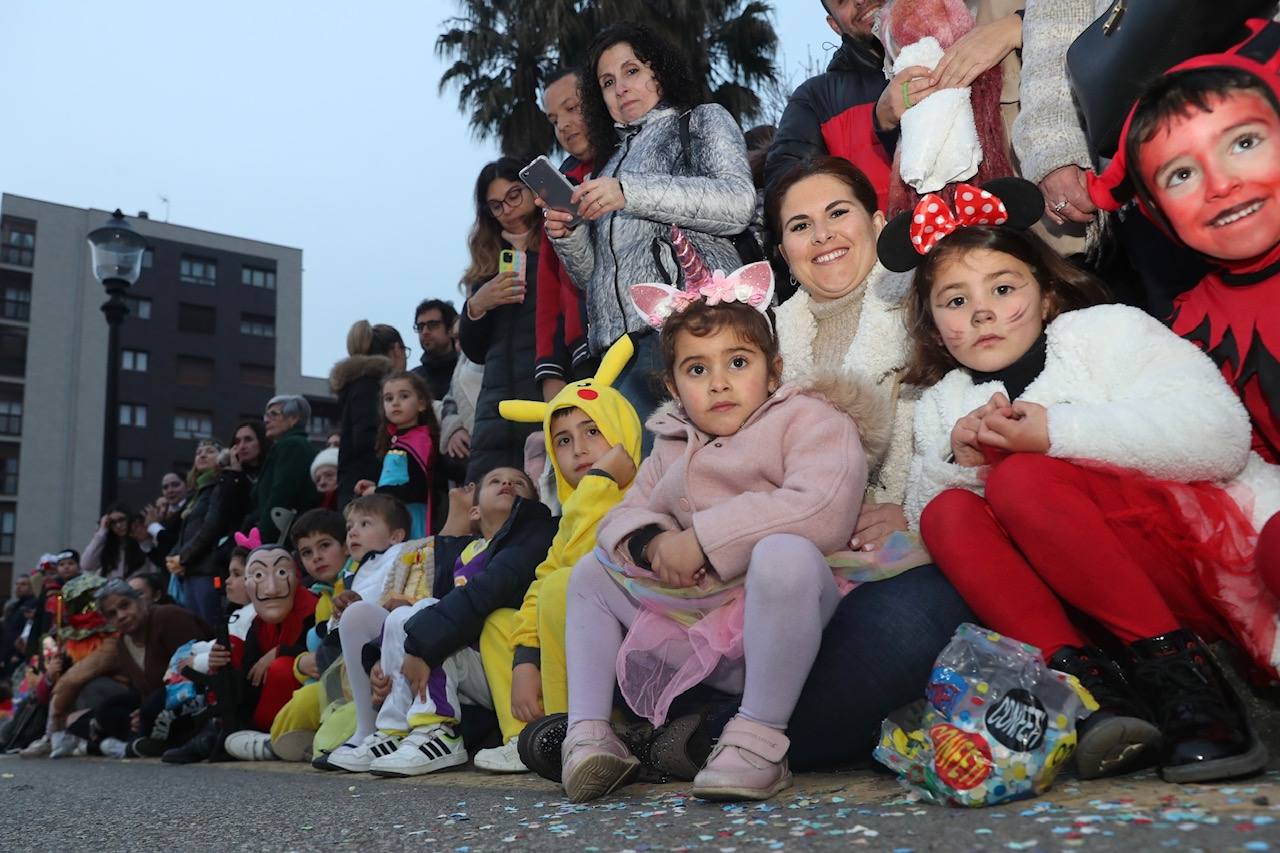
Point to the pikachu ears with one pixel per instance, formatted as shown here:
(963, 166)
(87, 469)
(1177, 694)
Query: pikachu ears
(611, 366)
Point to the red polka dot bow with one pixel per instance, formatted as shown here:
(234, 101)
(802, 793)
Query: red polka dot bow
(933, 219)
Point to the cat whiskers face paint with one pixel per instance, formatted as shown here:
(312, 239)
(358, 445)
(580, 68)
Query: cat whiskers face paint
(987, 307)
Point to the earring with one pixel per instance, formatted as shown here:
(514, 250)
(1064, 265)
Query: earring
(794, 283)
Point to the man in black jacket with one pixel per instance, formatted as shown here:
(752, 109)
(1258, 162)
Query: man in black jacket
(848, 111)
(433, 323)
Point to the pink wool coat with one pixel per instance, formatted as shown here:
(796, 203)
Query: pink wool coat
(798, 465)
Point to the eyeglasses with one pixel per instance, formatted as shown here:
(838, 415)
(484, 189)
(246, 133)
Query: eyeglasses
(273, 414)
(511, 199)
(430, 324)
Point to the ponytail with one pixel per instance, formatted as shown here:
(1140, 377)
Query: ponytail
(365, 339)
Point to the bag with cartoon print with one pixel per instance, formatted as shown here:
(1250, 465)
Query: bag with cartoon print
(996, 724)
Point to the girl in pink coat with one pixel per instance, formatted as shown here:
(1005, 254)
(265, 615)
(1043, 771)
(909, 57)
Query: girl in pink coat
(713, 567)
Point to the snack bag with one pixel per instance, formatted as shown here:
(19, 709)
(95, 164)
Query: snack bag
(996, 724)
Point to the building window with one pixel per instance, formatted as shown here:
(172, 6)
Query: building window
(8, 524)
(17, 241)
(133, 414)
(135, 359)
(13, 351)
(198, 271)
(199, 319)
(9, 470)
(189, 424)
(193, 370)
(320, 427)
(10, 417)
(254, 277)
(257, 325)
(148, 258)
(129, 469)
(261, 375)
(15, 291)
(139, 306)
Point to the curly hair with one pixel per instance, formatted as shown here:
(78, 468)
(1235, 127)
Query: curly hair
(676, 83)
(1068, 287)
(702, 320)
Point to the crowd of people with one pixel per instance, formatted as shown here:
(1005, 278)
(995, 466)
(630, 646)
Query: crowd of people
(704, 472)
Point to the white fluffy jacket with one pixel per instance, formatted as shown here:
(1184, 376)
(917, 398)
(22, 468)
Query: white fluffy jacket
(1120, 389)
(878, 354)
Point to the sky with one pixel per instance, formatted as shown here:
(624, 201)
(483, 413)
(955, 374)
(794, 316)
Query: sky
(316, 124)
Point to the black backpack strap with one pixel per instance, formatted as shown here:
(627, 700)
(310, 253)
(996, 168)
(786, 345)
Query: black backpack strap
(686, 140)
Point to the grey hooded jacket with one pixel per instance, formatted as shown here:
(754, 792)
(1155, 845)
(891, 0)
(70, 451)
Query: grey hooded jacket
(711, 202)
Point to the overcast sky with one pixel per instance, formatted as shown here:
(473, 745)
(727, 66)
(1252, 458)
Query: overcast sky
(310, 124)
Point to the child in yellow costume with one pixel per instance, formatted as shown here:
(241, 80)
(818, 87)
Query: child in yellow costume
(593, 440)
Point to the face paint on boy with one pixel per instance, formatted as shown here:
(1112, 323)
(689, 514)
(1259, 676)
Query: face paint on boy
(1215, 176)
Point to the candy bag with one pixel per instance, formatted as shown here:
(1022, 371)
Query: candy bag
(996, 724)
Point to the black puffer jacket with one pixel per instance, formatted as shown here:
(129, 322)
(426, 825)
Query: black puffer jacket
(357, 382)
(503, 341)
(203, 525)
(834, 113)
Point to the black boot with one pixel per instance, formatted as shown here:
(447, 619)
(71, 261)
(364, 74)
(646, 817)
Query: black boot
(1207, 733)
(1119, 737)
(201, 747)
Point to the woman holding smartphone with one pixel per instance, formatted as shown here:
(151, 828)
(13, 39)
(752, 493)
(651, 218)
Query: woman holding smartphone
(635, 88)
(497, 321)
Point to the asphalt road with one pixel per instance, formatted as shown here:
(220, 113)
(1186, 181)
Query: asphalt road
(97, 804)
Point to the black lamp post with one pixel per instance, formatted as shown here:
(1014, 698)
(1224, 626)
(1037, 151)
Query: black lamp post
(117, 262)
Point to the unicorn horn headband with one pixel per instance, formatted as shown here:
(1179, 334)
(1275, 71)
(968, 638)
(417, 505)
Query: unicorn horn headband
(751, 285)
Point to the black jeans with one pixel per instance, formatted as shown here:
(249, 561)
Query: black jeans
(876, 656)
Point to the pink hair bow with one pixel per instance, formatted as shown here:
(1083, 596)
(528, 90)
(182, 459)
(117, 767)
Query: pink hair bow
(251, 541)
(933, 219)
(751, 285)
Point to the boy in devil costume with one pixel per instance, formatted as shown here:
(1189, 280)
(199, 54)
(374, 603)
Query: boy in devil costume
(1201, 154)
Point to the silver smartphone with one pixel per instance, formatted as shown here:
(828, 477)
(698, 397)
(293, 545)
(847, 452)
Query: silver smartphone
(551, 186)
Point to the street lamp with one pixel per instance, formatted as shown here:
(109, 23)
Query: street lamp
(117, 262)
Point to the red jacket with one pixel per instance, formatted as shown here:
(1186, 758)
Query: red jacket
(560, 330)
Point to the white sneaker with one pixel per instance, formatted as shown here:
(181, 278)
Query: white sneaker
(424, 750)
(38, 748)
(356, 757)
(501, 759)
(113, 747)
(294, 745)
(249, 745)
(66, 745)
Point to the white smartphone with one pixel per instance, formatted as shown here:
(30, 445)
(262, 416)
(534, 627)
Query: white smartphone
(551, 186)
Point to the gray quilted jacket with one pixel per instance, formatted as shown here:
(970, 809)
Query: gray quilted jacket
(711, 202)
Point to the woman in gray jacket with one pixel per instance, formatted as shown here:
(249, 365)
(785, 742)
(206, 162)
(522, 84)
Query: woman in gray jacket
(635, 90)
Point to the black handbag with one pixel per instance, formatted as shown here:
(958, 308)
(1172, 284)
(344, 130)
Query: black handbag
(1134, 42)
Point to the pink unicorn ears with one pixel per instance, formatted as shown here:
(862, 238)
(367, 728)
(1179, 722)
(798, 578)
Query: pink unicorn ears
(751, 285)
(252, 541)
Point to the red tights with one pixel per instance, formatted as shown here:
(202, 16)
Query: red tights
(1049, 532)
(1269, 554)
(277, 690)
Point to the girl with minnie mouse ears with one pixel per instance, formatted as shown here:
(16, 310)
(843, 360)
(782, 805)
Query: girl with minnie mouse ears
(1075, 457)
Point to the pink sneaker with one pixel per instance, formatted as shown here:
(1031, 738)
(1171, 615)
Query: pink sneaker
(749, 762)
(594, 762)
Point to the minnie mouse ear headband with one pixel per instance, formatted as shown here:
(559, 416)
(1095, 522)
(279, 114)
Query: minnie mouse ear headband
(909, 236)
(1259, 55)
(751, 285)
(251, 542)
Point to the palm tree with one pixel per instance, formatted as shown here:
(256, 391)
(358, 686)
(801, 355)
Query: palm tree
(503, 50)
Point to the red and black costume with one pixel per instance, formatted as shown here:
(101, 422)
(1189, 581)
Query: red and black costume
(560, 325)
(259, 705)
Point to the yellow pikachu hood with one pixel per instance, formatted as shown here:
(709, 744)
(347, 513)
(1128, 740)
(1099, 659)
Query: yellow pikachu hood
(615, 417)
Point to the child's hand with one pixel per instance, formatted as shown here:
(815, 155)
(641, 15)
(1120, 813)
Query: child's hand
(526, 693)
(458, 522)
(459, 444)
(365, 487)
(416, 672)
(876, 523)
(1024, 429)
(219, 657)
(258, 672)
(307, 665)
(617, 462)
(343, 600)
(379, 683)
(677, 558)
(394, 601)
(174, 565)
(966, 446)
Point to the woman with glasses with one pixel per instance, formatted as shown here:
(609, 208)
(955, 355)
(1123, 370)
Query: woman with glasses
(497, 328)
(373, 351)
(113, 552)
(193, 562)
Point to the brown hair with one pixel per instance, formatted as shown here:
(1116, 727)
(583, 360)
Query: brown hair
(837, 167)
(427, 417)
(485, 241)
(701, 320)
(366, 339)
(384, 507)
(1068, 288)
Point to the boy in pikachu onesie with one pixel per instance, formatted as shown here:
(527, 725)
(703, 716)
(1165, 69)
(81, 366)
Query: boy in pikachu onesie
(593, 440)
